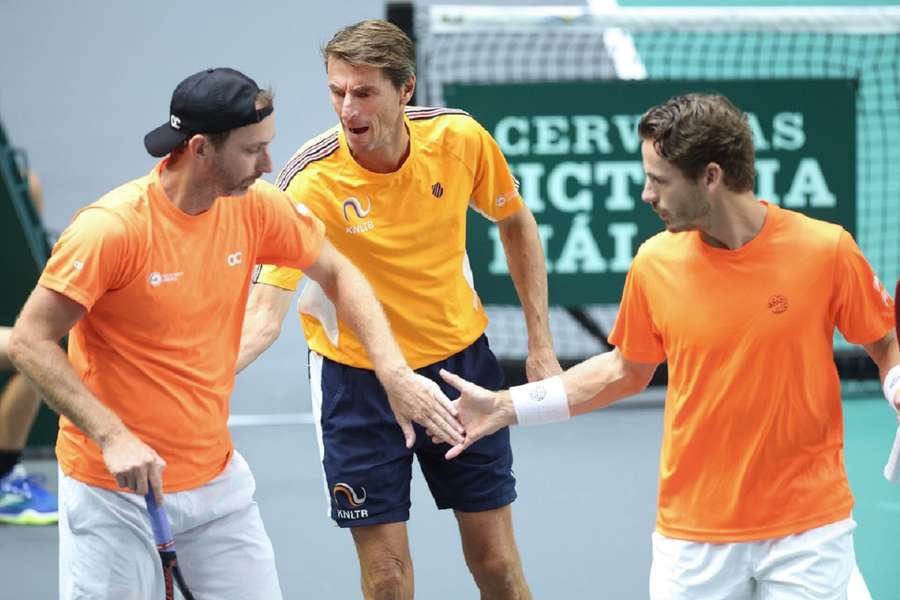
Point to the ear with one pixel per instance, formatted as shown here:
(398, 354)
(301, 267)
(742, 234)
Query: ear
(712, 175)
(406, 92)
(199, 146)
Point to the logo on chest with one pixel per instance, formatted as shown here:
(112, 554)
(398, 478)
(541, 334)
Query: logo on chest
(234, 259)
(778, 304)
(156, 278)
(354, 215)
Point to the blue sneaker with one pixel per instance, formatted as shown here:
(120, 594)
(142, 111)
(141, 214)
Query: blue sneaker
(24, 501)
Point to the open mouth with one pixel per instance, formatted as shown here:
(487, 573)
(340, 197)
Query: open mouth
(358, 130)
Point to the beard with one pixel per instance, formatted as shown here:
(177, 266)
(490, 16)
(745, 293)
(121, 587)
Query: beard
(692, 214)
(226, 184)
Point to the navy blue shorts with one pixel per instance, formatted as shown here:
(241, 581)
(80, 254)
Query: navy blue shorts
(367, 465)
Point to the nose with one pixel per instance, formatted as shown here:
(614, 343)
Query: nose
(648, 195)
(264, 163)
(348, 107)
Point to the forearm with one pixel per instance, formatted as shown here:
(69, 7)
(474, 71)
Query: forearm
(5, 364)
(258, 333)
(46, 366)
(601, 380)
(266, 308)
(591, 384)
(886, 354)
(891, 356)
(525, 259)
(361, 311)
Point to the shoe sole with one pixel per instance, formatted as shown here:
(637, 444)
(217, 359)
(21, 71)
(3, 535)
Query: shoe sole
(30, 517)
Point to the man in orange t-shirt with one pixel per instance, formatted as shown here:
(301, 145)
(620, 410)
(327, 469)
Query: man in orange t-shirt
(152, 281)
(741, 298)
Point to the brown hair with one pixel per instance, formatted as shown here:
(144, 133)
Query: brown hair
(264, 99)
(694, 130)
(375, 43)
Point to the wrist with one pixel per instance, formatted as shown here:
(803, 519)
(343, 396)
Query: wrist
(543, 401)
(390, 373)
(540, 348)
(108, 435)
(892, 385)
(503, 406)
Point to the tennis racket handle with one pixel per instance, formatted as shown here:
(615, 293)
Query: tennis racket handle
(891, 472)
(159, 522)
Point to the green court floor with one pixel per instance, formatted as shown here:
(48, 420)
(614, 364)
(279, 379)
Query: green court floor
(869, 433)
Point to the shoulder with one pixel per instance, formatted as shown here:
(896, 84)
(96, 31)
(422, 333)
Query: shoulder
(663, 245)
(312, 153)
(120, 211)
(445, 124)
(438, 115)
(803, 230)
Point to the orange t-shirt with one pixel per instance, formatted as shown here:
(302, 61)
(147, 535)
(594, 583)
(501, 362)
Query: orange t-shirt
(753, 431)
(165, 294)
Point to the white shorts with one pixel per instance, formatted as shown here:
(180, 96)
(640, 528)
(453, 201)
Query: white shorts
(818, 564)
(106, 547)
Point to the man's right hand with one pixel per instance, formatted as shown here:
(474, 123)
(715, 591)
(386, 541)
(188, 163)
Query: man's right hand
(482, 411)
(135, 465)
(415, 398)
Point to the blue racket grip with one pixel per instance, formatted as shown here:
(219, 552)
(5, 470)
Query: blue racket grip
(159, 522)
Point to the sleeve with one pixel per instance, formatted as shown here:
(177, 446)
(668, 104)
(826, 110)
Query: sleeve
(285, 278)
(863, 309)
(496, 191)
(89, 258)
(291, 235)
(633, 332)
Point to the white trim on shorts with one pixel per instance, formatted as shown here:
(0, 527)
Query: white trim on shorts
(315, 391)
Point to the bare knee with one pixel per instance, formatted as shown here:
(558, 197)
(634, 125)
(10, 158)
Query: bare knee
(387, 578)
(499, 576)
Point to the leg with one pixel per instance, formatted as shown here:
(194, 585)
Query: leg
(367, 470)
(478, 485)
(812, 565)
(230, 558)
(490, 549)
(685, 570)
(857, 588)
(105, 546)
(23, 499)
(223, 548)
(384, 561)
(19, 404)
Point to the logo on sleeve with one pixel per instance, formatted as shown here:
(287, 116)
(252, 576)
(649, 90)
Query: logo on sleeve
(234, 259)
(77, 264)
(437, 190)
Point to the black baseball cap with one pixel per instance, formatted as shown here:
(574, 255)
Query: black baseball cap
(211, 101)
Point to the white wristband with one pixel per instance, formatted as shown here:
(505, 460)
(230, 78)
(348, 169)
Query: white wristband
(892, 384)
(542, 401)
